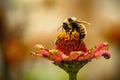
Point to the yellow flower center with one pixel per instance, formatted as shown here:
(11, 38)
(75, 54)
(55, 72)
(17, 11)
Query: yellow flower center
(68, 43)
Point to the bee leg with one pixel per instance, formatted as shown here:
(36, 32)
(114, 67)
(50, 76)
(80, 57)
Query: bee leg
(79, 39)
(70, 34)
(62, 29)
(78, 30)
(82, 35)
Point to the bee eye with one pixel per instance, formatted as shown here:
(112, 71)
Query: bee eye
(70, 19)
(64, 23)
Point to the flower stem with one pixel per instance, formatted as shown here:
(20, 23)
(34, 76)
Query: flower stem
(72, 75)
(71, 67)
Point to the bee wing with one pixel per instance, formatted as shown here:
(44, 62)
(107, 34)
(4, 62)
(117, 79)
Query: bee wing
(83, 22)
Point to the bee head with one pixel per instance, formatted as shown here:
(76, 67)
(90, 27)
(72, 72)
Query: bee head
(71, 19)
(65, 24)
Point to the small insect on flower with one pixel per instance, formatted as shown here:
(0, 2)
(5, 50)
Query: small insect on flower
(70, 52)
(71, 25)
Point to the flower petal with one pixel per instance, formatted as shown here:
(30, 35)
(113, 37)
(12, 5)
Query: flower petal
(84, 58)
(104, 53)
(45, 53)
(103, 46)
(107, 55)
(58, 57)
(75, 54)
(40, 53)
(38, 46)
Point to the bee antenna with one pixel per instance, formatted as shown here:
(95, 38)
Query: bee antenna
(59, 28)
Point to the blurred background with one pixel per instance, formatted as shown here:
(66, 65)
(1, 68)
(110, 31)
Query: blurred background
(23, 23)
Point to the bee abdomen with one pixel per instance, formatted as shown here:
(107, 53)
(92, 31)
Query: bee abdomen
(82, 32)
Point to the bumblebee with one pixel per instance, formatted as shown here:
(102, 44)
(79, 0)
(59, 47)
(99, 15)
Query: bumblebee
(72, 24)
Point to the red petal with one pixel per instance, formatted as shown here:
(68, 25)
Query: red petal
(86, 57)
(104, 53)
(44, 53)
(101, 46)
(74, 55)
(58, 57)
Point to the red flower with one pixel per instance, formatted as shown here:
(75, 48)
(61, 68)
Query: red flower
(70, 48)
(71, 53)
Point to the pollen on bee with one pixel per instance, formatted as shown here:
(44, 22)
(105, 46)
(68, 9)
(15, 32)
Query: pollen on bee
(67, 36)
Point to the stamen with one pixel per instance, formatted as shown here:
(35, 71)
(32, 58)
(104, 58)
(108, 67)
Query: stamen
(68, 43)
